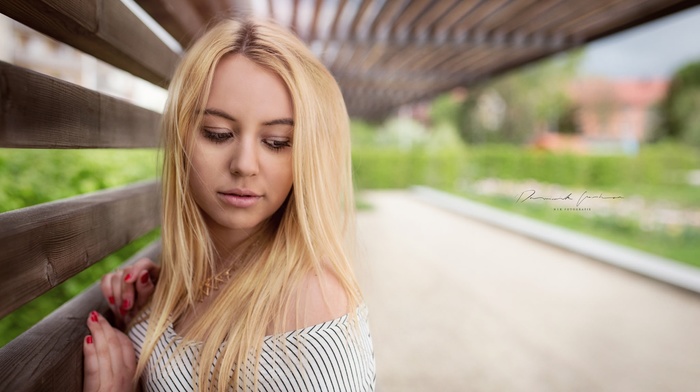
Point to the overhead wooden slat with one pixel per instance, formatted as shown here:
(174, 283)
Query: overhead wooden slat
(500, 18)
(64, 115)
(539, 12)
(49, 356)
(623, 15)
(401, 26)
(381, 27)
(333, 33)
(271, 9)
(564, 13)
(448, 22)
(44, 245)
(423, 23)
(358, 17)
(178, 17)
(314, 29)
(107, 30)
(478, 14)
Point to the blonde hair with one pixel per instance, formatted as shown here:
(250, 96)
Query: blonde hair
(312, 232)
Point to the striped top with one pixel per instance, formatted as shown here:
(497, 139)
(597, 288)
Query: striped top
(336, 355)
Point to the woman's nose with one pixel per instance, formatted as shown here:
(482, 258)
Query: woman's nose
(244, 161)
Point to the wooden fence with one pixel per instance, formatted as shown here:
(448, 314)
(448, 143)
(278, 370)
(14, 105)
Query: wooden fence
(42, 246)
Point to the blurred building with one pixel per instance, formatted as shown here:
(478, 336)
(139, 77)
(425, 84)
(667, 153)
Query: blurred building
(616, 114)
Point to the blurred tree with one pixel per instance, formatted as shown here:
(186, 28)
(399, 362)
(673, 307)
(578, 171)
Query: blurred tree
(534, 97)
(680, 111)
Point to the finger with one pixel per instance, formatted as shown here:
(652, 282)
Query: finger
(116, 281)
(148, 265)
(128, 294)
(109, 344)
(91, 367)
(144, 289)
(128, 353)
(107, 291)
(101, 348)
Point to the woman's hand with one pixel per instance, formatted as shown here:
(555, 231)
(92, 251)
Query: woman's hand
(109, 358)
(129, 289)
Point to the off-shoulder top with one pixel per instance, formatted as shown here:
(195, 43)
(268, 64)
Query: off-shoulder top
(336, 355)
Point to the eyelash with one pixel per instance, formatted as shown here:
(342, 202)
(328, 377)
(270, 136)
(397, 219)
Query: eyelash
(221, 137)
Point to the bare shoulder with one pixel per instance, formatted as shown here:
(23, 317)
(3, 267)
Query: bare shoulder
(322, 298)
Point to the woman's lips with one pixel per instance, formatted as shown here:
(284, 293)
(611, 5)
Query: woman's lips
(240, 200)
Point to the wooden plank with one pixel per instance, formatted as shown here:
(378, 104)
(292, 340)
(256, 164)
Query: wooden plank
(381, 26)
(460, 11)
(178, 17)
(430, 17)
(44, 245)
(314, 30)
(479, 13)
(401, 26)
(362, 10)
(107, 30)
(38, 111)
(49, 356)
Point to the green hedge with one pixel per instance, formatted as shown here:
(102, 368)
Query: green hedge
(657, 171)
(29, 177)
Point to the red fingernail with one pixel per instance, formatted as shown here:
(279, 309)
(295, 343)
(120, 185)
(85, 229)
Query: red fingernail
(144, 279)
(89, 339)
(125, 304)
(111, 300)
(93, 316)
(127, 277)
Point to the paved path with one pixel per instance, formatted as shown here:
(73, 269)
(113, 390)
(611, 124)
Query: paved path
(457, 305)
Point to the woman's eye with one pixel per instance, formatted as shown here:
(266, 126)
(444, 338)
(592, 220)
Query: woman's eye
(277, 144)
(216, 136)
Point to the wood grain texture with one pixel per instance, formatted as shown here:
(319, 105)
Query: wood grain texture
(49, 356)
(44, 245)
(38, 111)
(106, 29)
(178, 17)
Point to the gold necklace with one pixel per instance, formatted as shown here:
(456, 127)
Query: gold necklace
(212, 283)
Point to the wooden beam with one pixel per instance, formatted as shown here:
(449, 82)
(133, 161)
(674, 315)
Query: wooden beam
(381, 26)
(401, 26)
(49, 356)
(333, 33)
(422, 26)
(178, 17)
(667, 9)
(38, 111)
(448, 22)
(44, 245)
(271, 8)
(353, 32)
(478, 14)
(314, 30)
(107, 30)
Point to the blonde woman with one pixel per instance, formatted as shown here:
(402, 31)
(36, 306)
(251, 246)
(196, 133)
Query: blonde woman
(255, 289)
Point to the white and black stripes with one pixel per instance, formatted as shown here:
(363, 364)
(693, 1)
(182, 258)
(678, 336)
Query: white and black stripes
(333, 356)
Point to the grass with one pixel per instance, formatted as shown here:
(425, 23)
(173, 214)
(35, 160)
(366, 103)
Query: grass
(682, 245)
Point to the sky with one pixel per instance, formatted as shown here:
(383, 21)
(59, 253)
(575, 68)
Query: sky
(653, 50)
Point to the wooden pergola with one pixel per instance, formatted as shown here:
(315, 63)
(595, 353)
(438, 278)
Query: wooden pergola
(386, 53)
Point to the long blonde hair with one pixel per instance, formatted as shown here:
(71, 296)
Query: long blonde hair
(312, 232)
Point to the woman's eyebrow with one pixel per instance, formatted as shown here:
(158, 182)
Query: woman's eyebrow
(222, 114)
(280, 121)
(219, 113)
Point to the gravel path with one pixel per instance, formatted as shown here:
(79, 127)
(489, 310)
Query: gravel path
(457, 305)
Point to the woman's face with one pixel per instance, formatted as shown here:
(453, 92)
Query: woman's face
(242, 155)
